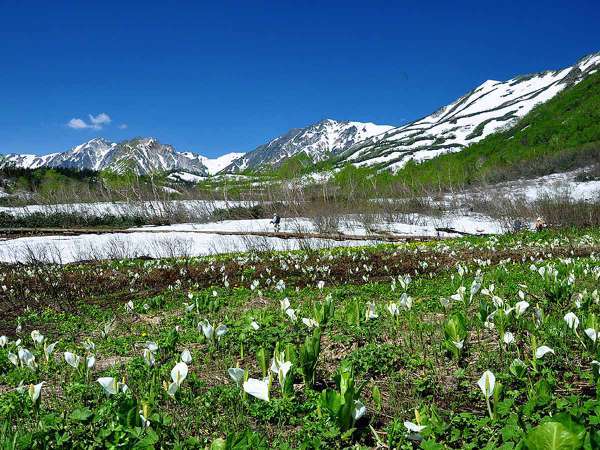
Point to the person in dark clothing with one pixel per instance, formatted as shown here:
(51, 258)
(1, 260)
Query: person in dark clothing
(276, 221)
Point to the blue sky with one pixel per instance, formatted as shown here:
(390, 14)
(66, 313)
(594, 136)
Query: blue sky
(227, 76)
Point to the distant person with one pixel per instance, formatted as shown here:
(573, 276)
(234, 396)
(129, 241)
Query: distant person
(540, 224)
(276, 221)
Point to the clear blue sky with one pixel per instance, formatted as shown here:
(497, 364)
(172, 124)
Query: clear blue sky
(214, 77)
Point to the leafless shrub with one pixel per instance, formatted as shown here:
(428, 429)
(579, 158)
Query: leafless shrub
(172, 247)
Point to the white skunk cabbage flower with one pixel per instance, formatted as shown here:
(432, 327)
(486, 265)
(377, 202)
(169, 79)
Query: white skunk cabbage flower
(508, 338)
(310, 323)
(413, 427)
(291, 314)
(406, 301)
(359, 410)
(72, 359)
(186, 356)
(591, 333)
(393, 309)
(257, 388)
(35, 391)
(37, 337)
(371, 313)
(207, 329)
(111, 385)
(285, 304)
(521, 307)
(3, 341)
(27, 358)
(487, 383)
(178, 375)
(49, 349)
(571, 320)
(541, 351)
(220, 331)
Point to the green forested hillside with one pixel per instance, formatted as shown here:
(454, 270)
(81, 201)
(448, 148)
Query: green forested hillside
(560, 134)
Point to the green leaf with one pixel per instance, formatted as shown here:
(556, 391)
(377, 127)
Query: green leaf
(552, 436)
(81, 414)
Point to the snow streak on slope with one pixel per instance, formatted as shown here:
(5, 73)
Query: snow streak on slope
(487, 109)
(318, 141)
(215, 165)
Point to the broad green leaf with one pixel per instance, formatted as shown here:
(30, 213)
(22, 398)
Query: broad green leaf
(552, 436)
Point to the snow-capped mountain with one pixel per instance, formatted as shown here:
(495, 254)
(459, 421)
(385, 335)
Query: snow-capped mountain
(142, 155)
(318, 141)
(215, 165)
(488, 108)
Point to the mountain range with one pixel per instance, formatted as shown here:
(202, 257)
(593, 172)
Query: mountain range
(490, 107)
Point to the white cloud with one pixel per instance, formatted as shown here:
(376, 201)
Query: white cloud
(99, 120)
(123, 126)
(77, 124)
(96, 122)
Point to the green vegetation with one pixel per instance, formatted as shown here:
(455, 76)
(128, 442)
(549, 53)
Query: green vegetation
(487, 342)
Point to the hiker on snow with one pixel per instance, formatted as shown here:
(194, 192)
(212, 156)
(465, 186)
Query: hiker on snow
(275, 222)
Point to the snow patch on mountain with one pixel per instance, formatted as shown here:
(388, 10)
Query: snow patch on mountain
(491, 106)
(318, 141)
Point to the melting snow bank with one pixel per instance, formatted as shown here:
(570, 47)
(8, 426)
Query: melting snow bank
(201, 207)
(180, 241)
(63, 250)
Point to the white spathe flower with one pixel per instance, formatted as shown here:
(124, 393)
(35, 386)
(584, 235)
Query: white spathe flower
(257, 388)
(291, 314)
(571, 320)
(207, 329)
(254, 325)
(413, 427)
(37, 337)
(72, 359)
(49, 349)
(35, 391)
(3, 341)
(152, 346)
(90, 361)
(591, 333)
(285, 304)
(521, 307)
(371, 313)
(149, 357)
(460, 294)
(13, 358)
(186, 356)
(541, 351)
(486, 383)
(406, 301)
(221, 331)
(145, 422)
(359, 410)
(236, 375)
(508, 338)
(393, 309)
(310, 323)
(109, 384)
(26, 357)
(179, 372)
(459, 344)
(89, 345)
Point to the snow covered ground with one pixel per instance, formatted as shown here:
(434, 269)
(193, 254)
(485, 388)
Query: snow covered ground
(123, 208)
(176, 240)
